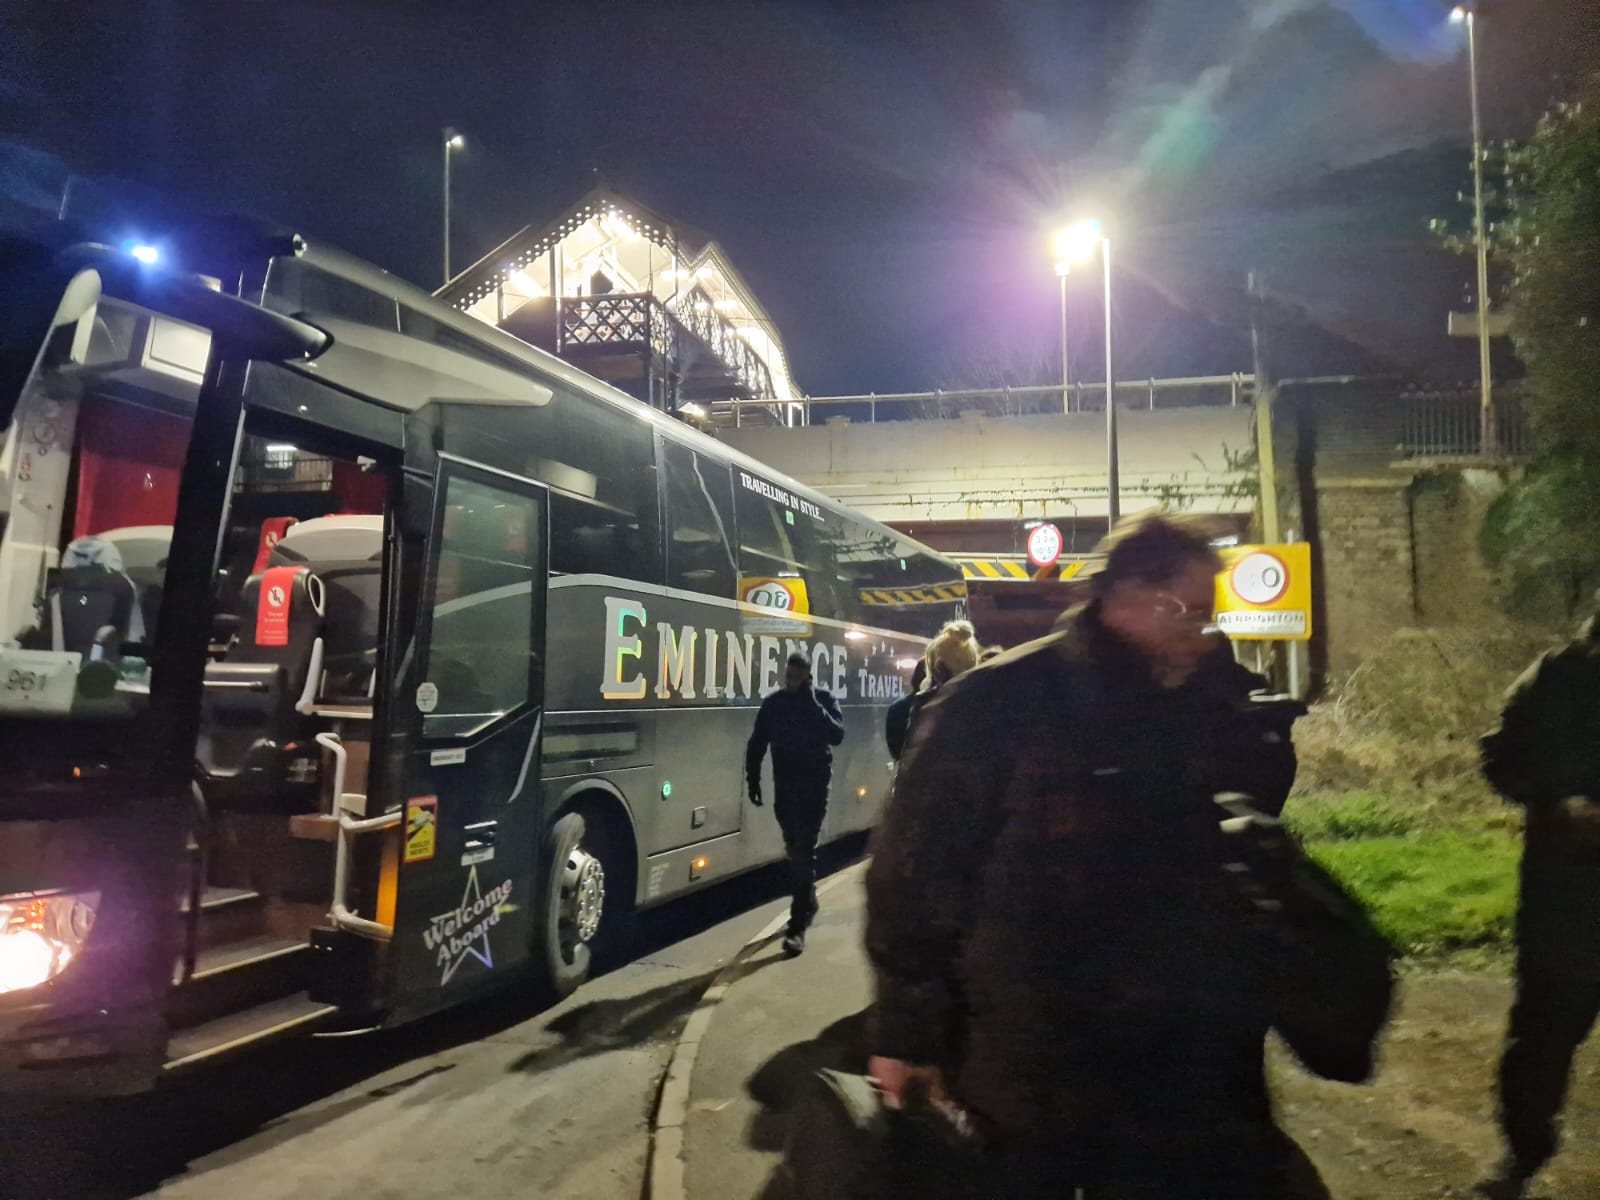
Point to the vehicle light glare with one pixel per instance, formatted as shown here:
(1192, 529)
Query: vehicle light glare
(40, 935)
(148, 255)
(26, 960)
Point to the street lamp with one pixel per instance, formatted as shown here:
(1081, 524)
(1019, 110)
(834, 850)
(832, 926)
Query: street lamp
(452, 141)
(1467, 14)
(1063, 269)
(1078, 242)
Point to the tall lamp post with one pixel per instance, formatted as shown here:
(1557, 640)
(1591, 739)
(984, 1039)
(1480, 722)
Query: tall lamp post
(452, 141)
(1063, 269)
(1467, 14)
(1078, 243)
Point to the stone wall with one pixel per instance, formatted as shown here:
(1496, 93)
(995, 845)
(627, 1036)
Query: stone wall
(1454, 585)
(1367, 566)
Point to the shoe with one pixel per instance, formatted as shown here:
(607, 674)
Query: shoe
(794, 943)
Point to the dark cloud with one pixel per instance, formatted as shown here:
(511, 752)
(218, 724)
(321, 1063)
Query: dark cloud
(885, 174)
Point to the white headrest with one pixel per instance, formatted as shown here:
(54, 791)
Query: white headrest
(141, 546)
(335, 539)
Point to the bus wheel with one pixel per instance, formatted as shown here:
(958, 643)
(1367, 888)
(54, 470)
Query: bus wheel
(585, 907)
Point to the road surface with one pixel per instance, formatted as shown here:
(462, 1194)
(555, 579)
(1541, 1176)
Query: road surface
(495, 1099)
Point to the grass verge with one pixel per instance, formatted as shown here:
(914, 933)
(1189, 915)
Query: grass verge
(1389, 796)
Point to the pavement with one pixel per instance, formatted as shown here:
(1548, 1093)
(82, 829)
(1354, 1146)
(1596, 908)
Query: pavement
(1423, 1128)
(502, 1097)
(771, 1022)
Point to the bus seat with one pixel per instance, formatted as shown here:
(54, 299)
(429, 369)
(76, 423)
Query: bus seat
(88, 592)
(346, 552)
(144, 550)
(254, 706)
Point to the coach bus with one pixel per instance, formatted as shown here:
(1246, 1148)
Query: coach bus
(357, 658)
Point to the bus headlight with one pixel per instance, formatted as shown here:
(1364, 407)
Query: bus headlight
(40, 934)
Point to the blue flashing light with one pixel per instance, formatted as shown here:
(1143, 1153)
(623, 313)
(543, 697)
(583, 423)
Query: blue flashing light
(145, 253)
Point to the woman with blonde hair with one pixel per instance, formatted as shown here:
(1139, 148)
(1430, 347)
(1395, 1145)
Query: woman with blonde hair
(952, 652)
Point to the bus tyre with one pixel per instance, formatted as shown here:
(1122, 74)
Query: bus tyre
(586, 908)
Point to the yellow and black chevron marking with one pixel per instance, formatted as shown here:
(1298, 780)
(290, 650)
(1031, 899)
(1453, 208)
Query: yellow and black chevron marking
(1012, 568)
(942, 594)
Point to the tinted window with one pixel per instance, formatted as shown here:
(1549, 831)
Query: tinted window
(481, 655)
(294, 286)
(699, 522)
(599, 463)
(780, 539)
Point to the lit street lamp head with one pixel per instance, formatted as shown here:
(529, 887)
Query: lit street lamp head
(1077, 243)
(454, 140)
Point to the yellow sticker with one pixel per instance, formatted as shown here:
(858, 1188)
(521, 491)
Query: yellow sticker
(422, 827)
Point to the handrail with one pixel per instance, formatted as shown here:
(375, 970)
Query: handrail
(339, 913)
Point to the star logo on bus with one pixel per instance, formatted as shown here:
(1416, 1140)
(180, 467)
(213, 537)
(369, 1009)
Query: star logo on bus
(463, 931)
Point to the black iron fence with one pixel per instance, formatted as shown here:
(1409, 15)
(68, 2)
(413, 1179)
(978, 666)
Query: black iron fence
(1451, 424)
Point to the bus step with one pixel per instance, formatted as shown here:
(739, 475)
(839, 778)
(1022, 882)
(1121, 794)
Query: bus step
(287, 1014)
(230, 915)
(239, 975)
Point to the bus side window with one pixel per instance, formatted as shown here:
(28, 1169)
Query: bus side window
(699, 522)
(481, 651)
(776, 541)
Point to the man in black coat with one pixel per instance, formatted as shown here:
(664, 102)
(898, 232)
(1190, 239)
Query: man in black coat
(1545, 756)
(800, 724)
(1058, 941)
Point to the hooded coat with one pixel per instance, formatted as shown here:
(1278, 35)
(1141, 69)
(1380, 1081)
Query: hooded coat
(1049, 921)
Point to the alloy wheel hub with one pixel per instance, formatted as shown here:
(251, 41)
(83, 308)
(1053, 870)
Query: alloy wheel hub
(584, 893)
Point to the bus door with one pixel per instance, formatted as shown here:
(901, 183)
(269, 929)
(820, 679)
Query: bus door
(120, 416)
(474, 678)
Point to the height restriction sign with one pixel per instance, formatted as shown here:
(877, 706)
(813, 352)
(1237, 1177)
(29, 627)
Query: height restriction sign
(1264, 592)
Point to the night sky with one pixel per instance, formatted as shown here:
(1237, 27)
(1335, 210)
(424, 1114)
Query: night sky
(884, 174)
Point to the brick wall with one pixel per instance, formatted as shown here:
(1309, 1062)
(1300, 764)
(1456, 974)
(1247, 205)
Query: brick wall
(1368, 566)
(1454, 585)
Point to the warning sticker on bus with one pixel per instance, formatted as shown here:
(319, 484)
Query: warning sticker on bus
(422, 826)
(272, 606)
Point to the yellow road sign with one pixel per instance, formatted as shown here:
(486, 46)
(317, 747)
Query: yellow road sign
(1264, 593)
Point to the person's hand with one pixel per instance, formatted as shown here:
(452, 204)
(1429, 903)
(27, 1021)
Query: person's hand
(899, 1081)
(755, 794)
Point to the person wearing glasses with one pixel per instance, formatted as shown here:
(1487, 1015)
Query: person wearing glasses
(1060, 951)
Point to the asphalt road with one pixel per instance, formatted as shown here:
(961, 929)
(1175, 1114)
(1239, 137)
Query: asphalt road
(500, 1098)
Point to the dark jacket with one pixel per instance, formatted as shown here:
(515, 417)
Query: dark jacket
(1047, 913)
(801, 728)
(1547, 744)
(901, 717)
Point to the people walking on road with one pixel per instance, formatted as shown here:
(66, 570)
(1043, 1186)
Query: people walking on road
(801, 724)
(898, 719)
(1545, 756)
(953, 651)
(1060, 947)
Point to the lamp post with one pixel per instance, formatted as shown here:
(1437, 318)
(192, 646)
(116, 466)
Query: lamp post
(452, 141)
(1467, 14)
(1078, 243)
(1063, 269)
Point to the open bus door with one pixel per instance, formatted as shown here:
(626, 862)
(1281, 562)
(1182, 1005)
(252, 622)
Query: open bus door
(99, 889)
(473, 681)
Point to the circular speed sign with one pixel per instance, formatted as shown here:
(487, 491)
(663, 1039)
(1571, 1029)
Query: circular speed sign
(1259, 578)
(1044, 545)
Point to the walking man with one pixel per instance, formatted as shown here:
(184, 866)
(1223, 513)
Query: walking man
(1545, 756)
(1059, 944)
(801, 724)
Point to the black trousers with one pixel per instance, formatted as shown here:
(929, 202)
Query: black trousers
(800, 804)
(1558, 988)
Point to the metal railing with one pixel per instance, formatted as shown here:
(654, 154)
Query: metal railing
(623, 319)
(943, 404)
(1449, 424)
